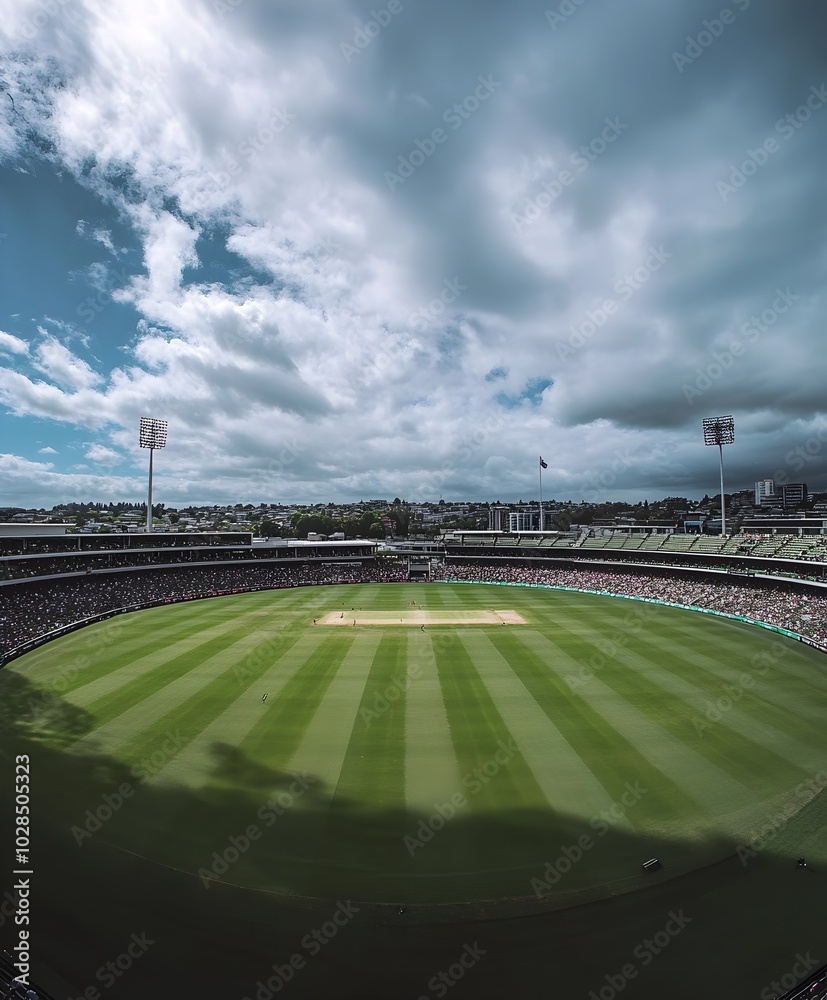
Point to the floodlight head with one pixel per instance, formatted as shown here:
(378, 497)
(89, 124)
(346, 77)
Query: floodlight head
(719, 430)
(153, 433)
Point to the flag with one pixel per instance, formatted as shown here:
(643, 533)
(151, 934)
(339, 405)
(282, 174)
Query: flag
(543, 465)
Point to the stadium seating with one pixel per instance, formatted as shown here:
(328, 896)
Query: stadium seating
(680, 543)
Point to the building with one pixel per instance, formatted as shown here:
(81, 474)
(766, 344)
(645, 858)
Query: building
(765, 492)
(793, 495)
(497, 518)
(520, 520)
(19, 529)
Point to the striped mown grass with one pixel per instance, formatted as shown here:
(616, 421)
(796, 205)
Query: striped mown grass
(448, 765)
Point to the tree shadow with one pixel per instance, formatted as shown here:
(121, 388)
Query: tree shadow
(262, 888)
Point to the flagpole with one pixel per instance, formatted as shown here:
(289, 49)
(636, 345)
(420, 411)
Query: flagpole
(541, 494)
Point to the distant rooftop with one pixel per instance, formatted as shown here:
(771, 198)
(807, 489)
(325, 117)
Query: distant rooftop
(33, 528)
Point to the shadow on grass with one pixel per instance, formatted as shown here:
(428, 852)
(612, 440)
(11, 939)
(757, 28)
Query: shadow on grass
(258, 888)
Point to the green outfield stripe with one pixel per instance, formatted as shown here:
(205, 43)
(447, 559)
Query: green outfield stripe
(160, 702)
(373, 769)
(729, 633)
(786, 667)
(117, 675)
(91, 652)
(431, 597)
(321, 752)
(716, 791)
(273, 740)
(566, 780)
(731, 638)
(188, 721)
(431, 772)
(686, 707)
(116, 702)
(601, 641)
(616, 761)
(196, 765)
(776, 698)
(746, 759)
(493, 768)
(365, 823)
(159, 652)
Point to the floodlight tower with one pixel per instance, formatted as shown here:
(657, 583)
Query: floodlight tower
(153, 435)
(720, 431)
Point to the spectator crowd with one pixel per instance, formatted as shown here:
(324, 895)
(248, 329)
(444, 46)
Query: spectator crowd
(786, 607)
(29, 610)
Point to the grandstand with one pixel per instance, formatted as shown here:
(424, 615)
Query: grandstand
(96, 574)
(49, 586)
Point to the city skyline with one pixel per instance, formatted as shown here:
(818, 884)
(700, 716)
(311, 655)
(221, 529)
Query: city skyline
(405, 249)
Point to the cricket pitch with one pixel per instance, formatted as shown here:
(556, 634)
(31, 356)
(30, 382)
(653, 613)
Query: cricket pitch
(419, 616)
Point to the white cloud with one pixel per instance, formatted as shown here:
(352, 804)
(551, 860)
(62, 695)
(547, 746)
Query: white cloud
(28, 483)
(100, 455)
(48, 450)
(59, 364)
(9, 344)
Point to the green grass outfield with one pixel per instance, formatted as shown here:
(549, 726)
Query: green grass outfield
(461, 772)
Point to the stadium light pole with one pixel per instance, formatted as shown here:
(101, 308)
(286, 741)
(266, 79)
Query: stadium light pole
(153, 434)
(720, 431)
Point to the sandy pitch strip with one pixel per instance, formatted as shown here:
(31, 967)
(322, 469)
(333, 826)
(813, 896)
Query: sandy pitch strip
(416, 616)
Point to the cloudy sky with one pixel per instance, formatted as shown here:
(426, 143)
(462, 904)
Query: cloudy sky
(350, 250)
